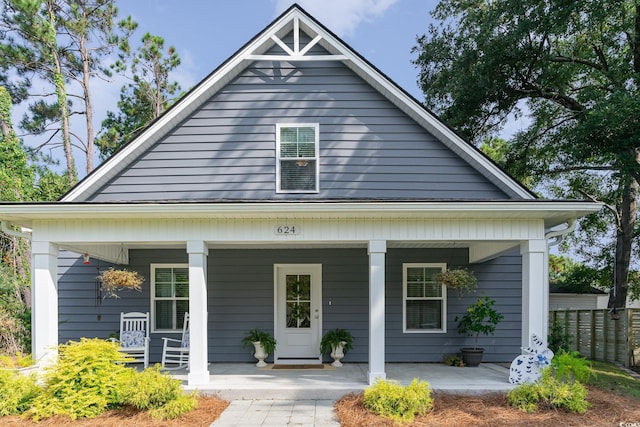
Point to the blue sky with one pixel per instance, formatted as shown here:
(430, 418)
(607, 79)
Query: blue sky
(205, 33)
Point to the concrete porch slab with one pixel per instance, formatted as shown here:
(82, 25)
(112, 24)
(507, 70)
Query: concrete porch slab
(233, 381)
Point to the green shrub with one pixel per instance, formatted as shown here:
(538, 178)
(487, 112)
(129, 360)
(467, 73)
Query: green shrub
(17, 391)
(174, 408)
(550, 393)
(16, 361)
(392, 400)
(84, 382)
(571, 366)
(157, 392)
(559, 339)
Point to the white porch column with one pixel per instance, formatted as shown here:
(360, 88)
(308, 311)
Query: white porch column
(377, 251)
(535, 290)
(198, 344)
(44, 300)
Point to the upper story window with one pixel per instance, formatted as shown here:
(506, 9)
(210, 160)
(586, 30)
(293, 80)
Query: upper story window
(424, 300)
(297, 158)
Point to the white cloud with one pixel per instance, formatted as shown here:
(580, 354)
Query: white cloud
(341, 16)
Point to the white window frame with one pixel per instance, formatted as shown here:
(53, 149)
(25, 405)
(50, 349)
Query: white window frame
(153, 298)
(316, 158)
(443, 298)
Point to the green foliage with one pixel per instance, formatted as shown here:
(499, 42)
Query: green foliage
(480, 318)
(16, 361)
(17, 391)
(85, 381)
(397, 402)
(570, 366)
(559, 339)
(148, 94)
(572, 68)
(174, 408)
(549, 393)
(150, 389)
(265, 338)
(334, 337)
(612, 379)
(452, 360)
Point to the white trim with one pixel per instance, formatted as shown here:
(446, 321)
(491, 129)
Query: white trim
(152, 299)
(443, 319)
(316, 158)
(297, 20)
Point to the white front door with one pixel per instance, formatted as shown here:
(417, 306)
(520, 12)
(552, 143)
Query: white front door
(298, 313)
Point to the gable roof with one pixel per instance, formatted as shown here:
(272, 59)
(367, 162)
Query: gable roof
(295, 20)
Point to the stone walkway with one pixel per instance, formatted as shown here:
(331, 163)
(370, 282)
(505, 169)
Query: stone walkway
(272, 413)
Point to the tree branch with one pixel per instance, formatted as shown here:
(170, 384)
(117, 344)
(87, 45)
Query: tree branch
(612, 209)
(566, 59)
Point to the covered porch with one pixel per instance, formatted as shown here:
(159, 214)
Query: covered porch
(233, 381)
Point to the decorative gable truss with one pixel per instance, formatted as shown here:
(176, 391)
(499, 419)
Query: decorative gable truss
(302, 27)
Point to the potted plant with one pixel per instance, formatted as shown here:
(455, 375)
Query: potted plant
(480, 317)
(113, 280)
(263, 344)
(457, 278)
(338, 341)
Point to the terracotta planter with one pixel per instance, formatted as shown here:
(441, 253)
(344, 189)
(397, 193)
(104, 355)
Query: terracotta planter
(472, 356)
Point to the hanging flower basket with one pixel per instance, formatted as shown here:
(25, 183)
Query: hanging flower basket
(114, 280)
(458, 278)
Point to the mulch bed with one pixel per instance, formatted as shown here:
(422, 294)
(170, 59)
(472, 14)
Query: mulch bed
(492, 410)
(209, 408)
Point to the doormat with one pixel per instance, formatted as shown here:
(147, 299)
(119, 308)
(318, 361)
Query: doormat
(308, 366)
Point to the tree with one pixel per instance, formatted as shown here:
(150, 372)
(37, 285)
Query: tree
(30, 47)
(148, 94)
(574, 69)
(89, 26)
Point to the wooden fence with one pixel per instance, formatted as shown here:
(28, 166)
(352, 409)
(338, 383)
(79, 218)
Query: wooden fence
(595, 335)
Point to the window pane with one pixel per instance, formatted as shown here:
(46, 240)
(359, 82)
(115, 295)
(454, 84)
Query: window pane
(164, 314)
(163, 275)
(424, 314)
(288, 135)
(164, 290)
(432, 290)
(298, 175)
(288, 150)
(415, 290)
(306, 134)
(415, 275)
(306, 150)
(182, 290)
(181, 275)
(182, 307)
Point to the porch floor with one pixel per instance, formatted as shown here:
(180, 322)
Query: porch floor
(233, 381)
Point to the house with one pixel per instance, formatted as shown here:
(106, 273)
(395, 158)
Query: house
(295, 189)
(560, 299)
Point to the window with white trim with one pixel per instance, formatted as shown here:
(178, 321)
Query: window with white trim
(169, 296)
(424, 300)
(297, 158)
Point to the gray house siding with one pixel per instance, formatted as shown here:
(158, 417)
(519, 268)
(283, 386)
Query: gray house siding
(240, 297)
(369, 149)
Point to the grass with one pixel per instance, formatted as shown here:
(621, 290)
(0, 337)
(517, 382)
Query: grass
(608, 377)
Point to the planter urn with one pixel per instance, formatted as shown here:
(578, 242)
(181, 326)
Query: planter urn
(337, 353)
(259, 354)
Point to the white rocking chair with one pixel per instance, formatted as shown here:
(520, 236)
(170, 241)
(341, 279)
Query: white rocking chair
(134, 336)
(175, 353)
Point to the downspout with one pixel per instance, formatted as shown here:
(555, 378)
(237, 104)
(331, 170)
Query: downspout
(6, 230)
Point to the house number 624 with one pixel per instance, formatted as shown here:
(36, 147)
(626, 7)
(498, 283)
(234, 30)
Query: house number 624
(287, 229)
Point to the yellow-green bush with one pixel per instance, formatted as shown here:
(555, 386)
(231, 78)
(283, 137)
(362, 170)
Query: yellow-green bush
(84, 382)
(551, 393)
(17, 392)
(158, 392)
(399, 403)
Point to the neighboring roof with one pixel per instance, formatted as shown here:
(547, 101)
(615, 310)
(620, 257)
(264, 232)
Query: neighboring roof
(555, 289)
(297, 20)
